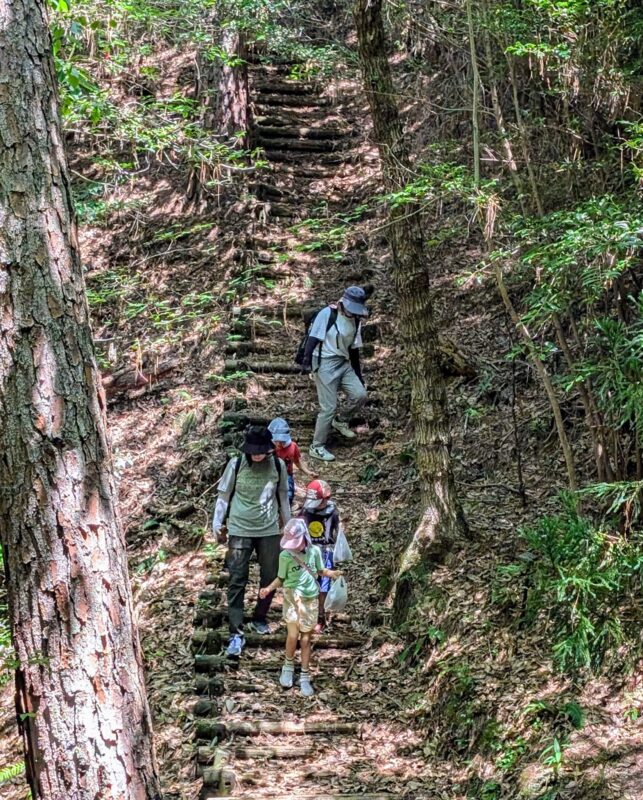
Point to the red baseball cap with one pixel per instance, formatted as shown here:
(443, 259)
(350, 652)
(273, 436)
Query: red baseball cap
(316, 492)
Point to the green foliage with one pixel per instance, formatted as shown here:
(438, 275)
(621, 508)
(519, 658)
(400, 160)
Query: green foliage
(432, 637)
(7, 659)
(11, 771)
(148, 563)
(585, 303)
(553, 755)
(579, 577)
(578, 254)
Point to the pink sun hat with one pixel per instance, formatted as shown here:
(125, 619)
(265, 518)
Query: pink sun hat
(295, 536)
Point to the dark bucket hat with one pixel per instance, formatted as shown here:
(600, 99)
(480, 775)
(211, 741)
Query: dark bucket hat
(353, 300)
(257, 441)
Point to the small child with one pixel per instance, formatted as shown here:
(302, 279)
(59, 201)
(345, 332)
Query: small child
(322, 519)
(300, 564)
(288, 451)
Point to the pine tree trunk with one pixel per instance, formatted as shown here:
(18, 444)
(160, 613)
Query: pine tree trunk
(79, 682)
(442, 522)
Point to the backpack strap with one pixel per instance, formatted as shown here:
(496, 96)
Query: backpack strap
(278, 468)
(303, 564)
(237, 467)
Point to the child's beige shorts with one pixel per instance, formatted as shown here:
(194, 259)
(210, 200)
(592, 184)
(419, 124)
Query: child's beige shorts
(300, 610)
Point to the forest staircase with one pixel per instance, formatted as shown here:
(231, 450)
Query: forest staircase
(254, 739)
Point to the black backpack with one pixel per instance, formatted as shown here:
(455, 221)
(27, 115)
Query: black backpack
(237, 467)
(309, 319)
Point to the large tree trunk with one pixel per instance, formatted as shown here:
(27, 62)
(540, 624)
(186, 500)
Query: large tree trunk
(223, 89)
(79, 683)
(442, 521)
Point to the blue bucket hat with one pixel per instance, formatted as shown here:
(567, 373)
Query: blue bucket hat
(280, 431)
(353, 300)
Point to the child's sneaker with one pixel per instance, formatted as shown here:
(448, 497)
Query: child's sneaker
(305, 686)
(343, 429)
(261, 628)
(287, 677)
(320, 452)
(235, 645)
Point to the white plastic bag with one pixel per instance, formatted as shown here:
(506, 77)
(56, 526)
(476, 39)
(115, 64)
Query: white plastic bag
(337, 598)
(341, 548)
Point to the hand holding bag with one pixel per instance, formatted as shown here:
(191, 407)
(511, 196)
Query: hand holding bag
(337, 597)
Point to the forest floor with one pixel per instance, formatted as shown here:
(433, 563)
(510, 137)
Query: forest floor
(474, 709)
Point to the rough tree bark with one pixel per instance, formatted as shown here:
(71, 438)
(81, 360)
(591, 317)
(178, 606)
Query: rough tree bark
(223, 90)
(80, 690)
(442, 521)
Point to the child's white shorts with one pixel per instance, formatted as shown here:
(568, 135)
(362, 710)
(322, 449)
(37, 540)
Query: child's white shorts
(300, 610)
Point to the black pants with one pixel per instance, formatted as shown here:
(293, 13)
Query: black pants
(240, 550)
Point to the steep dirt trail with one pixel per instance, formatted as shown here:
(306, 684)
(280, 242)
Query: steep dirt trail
(255, 739)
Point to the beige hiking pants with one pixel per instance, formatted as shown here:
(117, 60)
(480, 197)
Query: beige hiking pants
(333, 375)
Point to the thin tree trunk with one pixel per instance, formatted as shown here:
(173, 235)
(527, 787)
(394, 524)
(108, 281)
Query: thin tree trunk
(79, 682)
(475, 98)
(524, 142)
(442, 522)
(499, 116)
(601, 456)
(544, 376)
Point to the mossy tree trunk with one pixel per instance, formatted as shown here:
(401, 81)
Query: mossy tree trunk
(442, 520)
(80, 691)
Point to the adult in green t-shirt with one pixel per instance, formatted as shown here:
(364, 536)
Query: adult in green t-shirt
(253, 496)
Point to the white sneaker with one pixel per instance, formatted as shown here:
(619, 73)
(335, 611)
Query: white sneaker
(305, 686)
(320, 452)
(287, 677)
(343, 429)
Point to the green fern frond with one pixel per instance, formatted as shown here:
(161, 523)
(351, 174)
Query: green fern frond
(12, 771)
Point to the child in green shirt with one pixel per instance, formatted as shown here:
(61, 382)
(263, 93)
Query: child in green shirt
(300, 564)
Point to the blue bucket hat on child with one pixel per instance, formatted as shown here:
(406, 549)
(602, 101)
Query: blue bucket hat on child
(353, 300)
(280, 431)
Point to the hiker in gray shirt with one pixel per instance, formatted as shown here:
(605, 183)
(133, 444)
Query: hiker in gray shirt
(332, 352)
(252, 499)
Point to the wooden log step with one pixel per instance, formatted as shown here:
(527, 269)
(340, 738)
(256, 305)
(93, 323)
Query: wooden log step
(214, 615)
(305, 117)
(266, 191)
(279, 311)
(240, 419)
(219, 775)
(273, 68)
(294, 157)
(285, 210)
(217, 579)
(270, 101)
(205, 729)
(209, 664)
(245, 348)
(204, 708)
(250, 329)
(286, 87)
(300, 132)
(210, 596)
(308, 145)
(310, 173)
(300, 796)
(215, 687)
(207, 641)
(268, 367)
(205, 755)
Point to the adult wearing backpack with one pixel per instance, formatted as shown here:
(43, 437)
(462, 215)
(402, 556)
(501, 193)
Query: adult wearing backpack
(332, 352)
(253, 497)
